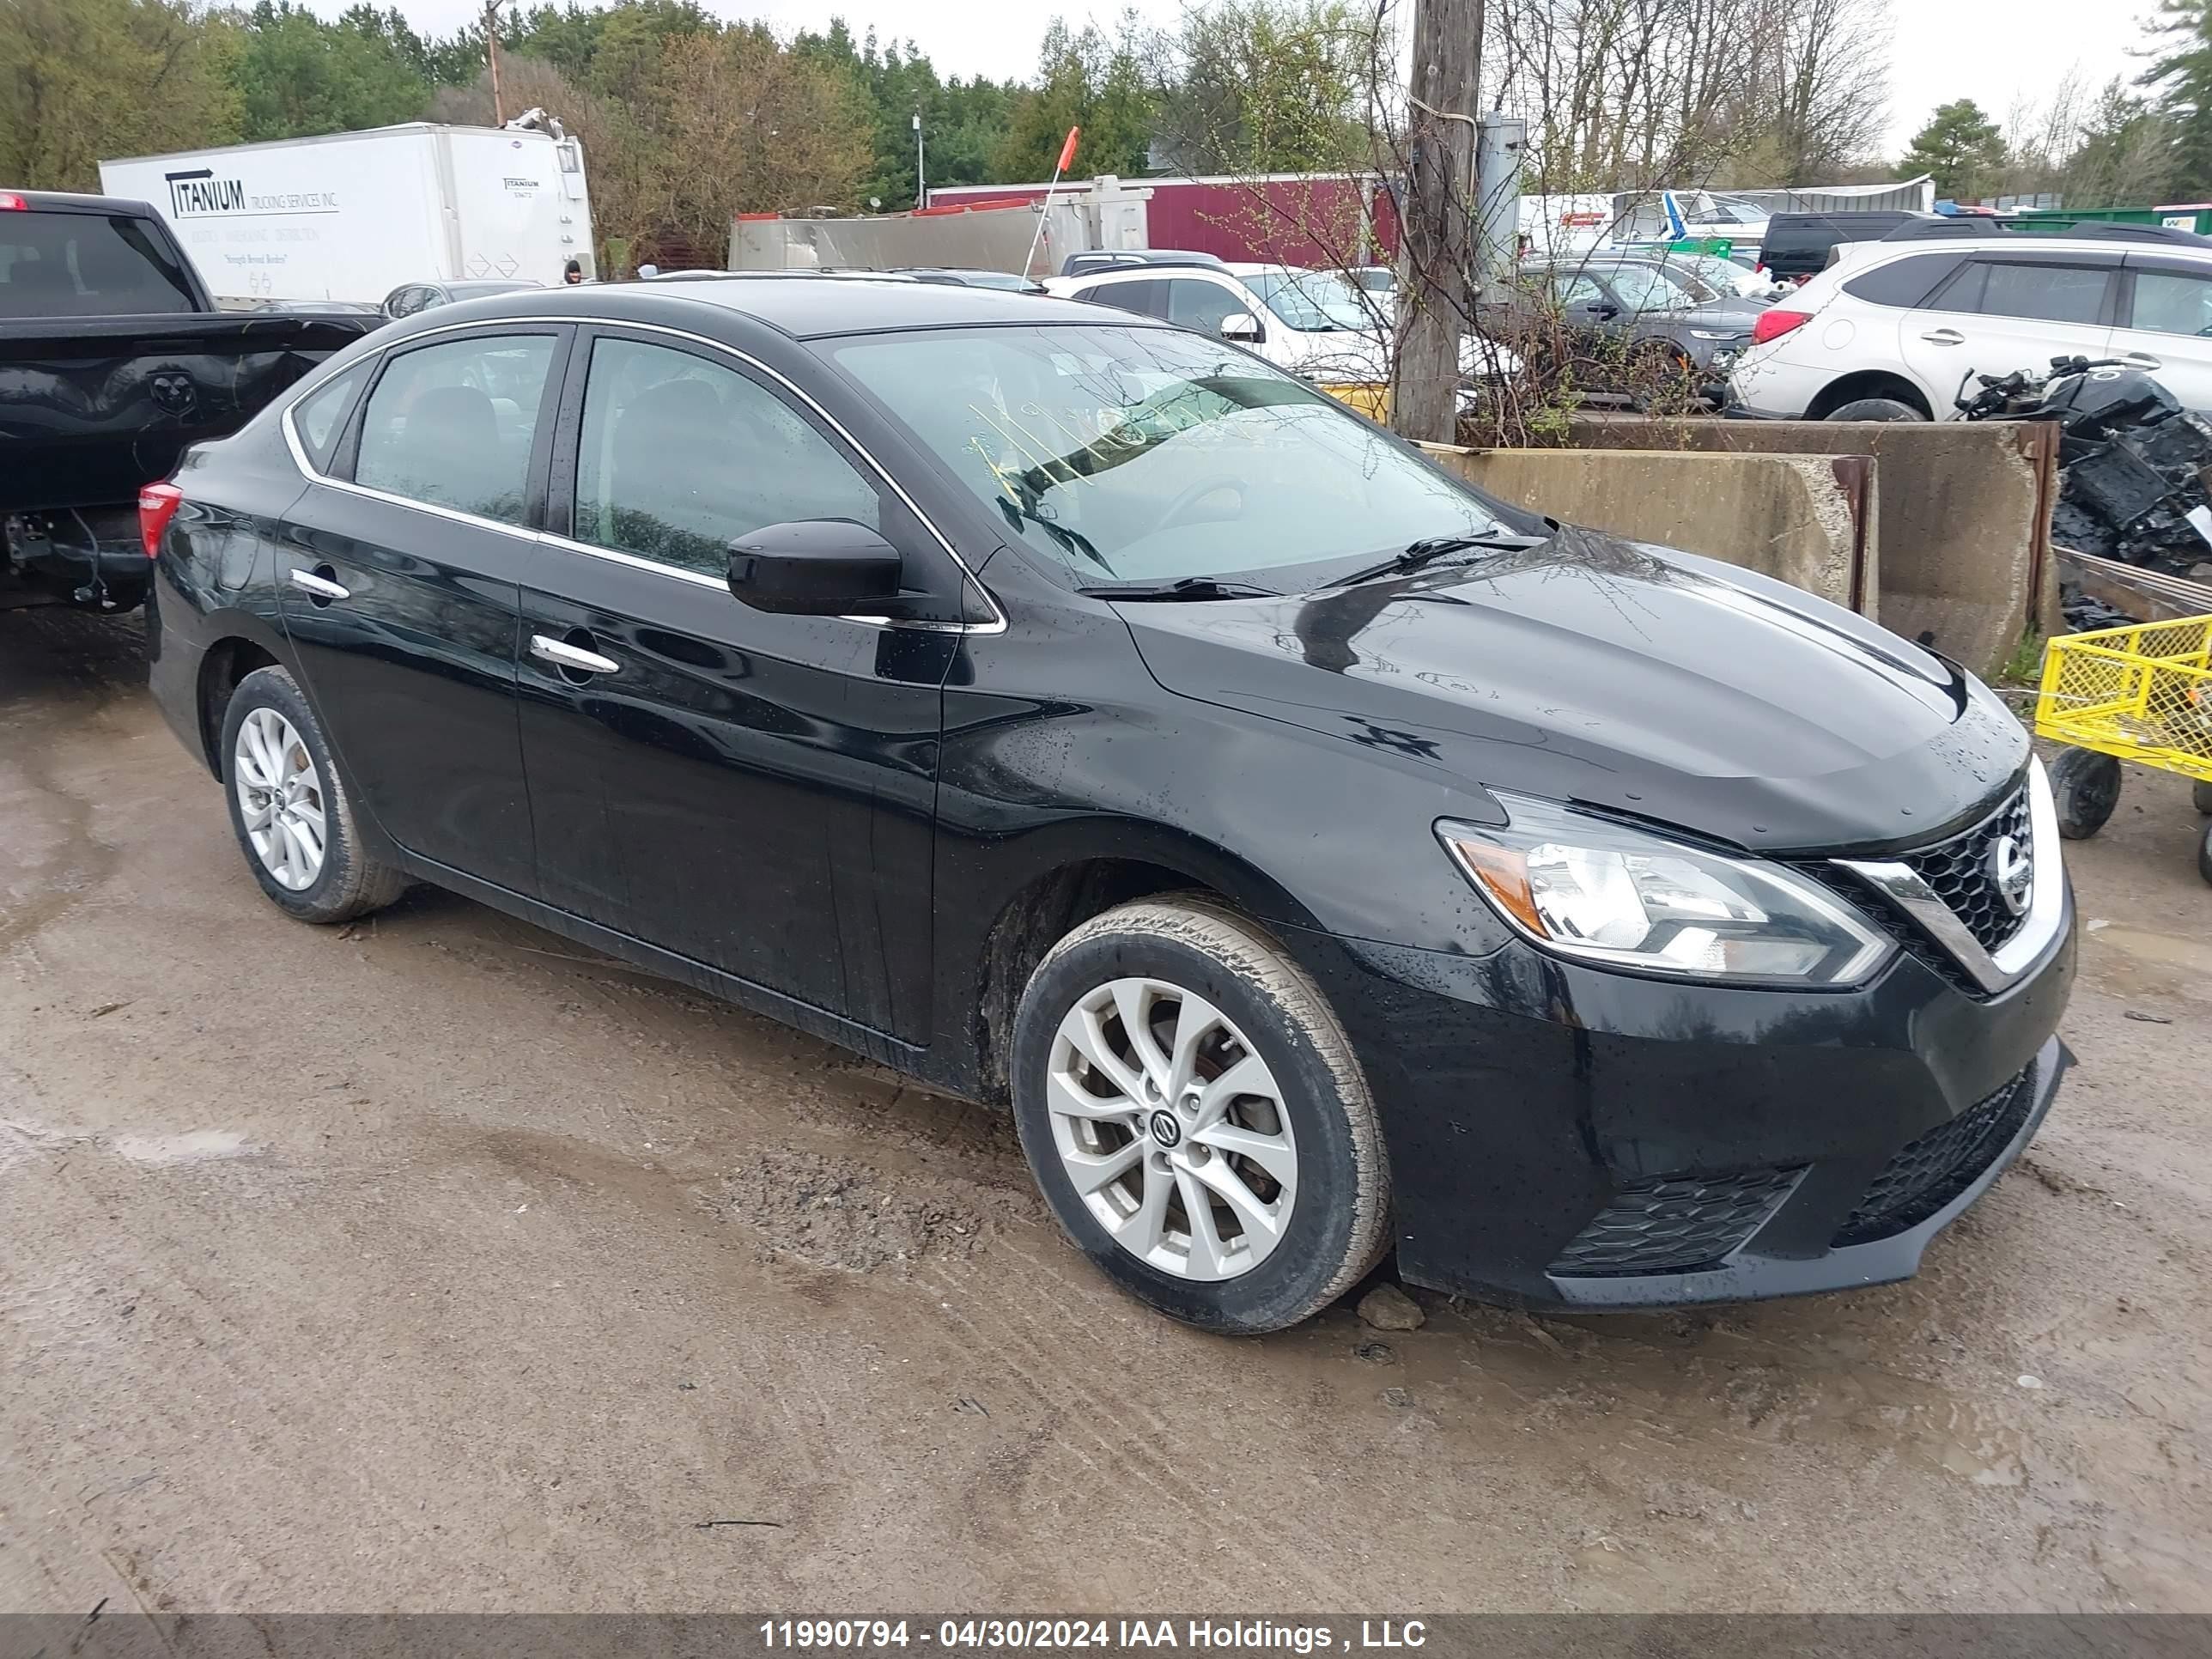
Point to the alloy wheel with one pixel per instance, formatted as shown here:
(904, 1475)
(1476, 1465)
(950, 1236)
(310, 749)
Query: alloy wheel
(280, 799)
(1172, 1129)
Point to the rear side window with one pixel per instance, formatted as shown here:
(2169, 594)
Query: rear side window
(2040, 293)
(1903, 282)
(453, 424)
(678, 456)
(87, 264)
(320, 415)
(1147, 297)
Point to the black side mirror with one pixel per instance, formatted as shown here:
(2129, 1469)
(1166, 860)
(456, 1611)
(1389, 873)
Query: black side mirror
(814, 567)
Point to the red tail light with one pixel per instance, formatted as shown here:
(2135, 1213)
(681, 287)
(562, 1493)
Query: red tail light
(1773, 323)
(157, 505)
(11, 203)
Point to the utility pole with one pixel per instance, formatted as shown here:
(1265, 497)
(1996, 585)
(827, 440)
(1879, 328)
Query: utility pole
(491, 53)
(920, 190)
(1437, 224)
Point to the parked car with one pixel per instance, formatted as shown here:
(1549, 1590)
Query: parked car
(1322, 856)
(112, 360)
(410, 297)
(1643, 313)
(961, 277)
(320, 308)
(1895, 330)
(1084, 263)
(1313, 323)
(1796, 245)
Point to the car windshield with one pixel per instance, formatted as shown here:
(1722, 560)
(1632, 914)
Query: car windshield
(1150, 455)
(1313, 301)
(1687, 280)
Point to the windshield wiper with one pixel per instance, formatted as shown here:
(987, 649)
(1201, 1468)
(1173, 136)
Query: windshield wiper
(1416, 556)
(1186, 587)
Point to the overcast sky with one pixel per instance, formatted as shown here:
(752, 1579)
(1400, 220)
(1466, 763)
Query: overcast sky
(1994, 51)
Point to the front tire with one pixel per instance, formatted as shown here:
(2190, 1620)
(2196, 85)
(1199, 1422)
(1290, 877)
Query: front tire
(1194, 1114)
(291, 809)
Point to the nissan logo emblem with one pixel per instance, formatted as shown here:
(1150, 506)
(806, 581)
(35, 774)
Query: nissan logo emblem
(2013, 871)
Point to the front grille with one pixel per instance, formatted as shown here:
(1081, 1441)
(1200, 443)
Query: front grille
(1931, 1171)
(1670, 1223)
(1958, 872)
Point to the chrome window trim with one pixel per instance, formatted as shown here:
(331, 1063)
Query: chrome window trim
(1993, 970)
(996, 625)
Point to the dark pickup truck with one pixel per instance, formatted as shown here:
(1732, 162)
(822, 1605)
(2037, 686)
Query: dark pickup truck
(114, 361)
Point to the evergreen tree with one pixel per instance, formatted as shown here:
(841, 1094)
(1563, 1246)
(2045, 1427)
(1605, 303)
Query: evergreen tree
(1961, 147)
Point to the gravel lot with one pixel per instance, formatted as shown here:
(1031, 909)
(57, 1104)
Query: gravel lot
(434, 1263)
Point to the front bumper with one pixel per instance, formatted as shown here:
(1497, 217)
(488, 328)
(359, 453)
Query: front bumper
(1561, 1136)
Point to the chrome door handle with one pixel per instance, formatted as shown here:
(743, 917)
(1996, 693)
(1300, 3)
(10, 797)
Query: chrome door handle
(2141, 360)
(1944, 336)
(561, 654)
(321, 586)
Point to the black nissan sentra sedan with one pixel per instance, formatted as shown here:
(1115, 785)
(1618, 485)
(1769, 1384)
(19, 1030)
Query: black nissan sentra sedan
(1321, 857)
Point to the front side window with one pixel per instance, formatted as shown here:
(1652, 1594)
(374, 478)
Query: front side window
(2171, 302)
(1134, 454)
(679, 456)
(1641, 287)
(316, 417)
(1193, 303)
(453, 424)
(1147, 297)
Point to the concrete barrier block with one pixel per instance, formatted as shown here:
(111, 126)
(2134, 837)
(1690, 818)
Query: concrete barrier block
(1965, 509)
(1805, 520)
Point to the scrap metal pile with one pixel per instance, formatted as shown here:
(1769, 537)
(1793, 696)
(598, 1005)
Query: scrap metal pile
(2135, 480)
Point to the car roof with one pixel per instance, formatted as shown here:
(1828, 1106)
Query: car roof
(810, 310)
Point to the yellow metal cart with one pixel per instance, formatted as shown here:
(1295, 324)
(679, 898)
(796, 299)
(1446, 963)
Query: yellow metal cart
(2140, 693)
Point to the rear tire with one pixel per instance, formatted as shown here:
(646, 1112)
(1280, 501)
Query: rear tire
(291, 809)
(2085, 786)
(1875, 408)
(1241, 1208)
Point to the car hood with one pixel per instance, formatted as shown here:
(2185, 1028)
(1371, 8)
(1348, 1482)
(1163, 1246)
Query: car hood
(1614, 674)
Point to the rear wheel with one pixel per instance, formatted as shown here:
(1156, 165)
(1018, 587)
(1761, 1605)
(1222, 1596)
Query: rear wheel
(1875, 408)
(2085, 787)
(1194, 1113)
(290, 810)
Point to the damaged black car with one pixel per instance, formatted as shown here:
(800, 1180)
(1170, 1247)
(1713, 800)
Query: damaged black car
(1321, 858)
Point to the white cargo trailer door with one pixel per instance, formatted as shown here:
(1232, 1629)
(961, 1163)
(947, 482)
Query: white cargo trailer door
(517, 220)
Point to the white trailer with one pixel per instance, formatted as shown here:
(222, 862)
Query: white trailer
(352, 215)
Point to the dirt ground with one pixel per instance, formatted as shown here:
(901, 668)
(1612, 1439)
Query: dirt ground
(432, 1263)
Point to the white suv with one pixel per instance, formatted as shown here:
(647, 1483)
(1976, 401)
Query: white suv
(1892, 329)
(1313, 323)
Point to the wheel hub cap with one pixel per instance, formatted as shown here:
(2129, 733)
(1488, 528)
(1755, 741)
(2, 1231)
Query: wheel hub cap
(1171, 1129)
(280, 797)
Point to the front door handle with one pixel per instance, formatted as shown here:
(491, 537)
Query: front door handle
(322, 587)
(561, 654)
(1944, 336)
(2141, 360)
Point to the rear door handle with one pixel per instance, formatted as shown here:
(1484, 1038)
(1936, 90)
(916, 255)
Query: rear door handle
(321, 586)
(561, 654)
(1944, 336)
(2141, 360)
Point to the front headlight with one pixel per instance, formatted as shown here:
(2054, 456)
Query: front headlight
(1716, 334)
(1600, 892)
